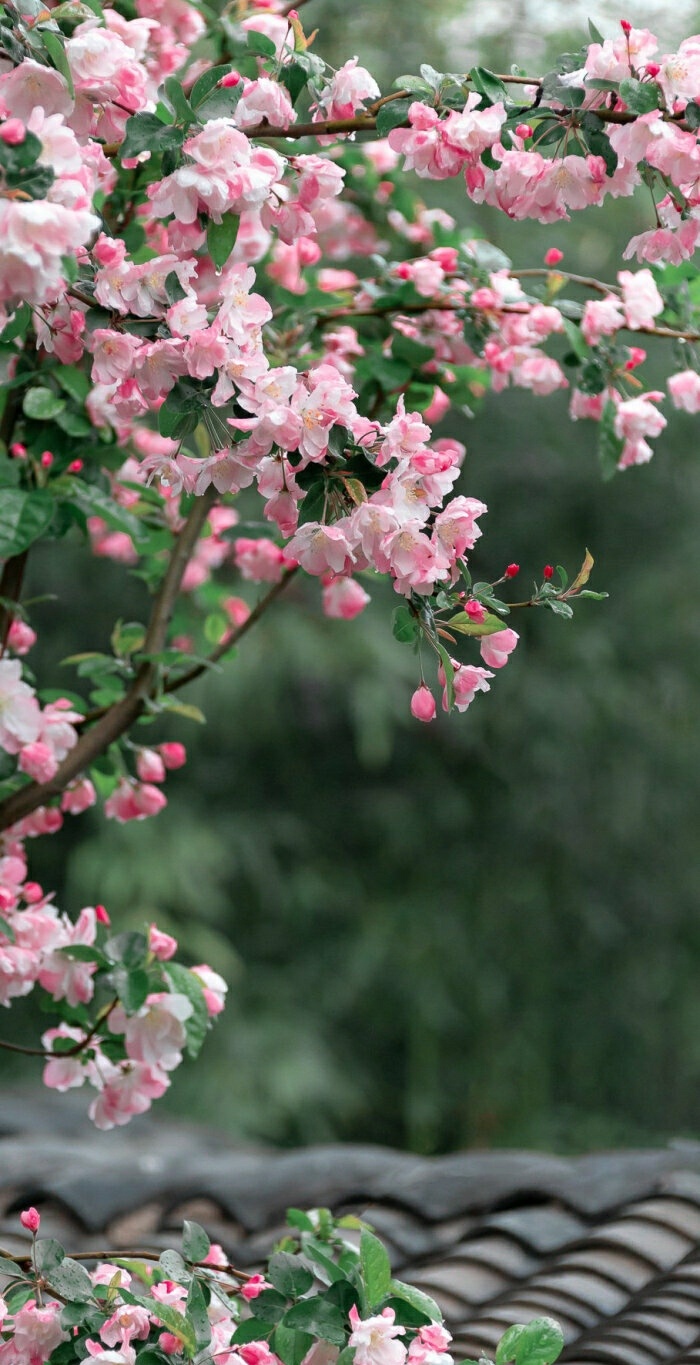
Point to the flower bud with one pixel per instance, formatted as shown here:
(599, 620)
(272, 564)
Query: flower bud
(13, 132)
(512, 571)
(102, 916)
(46, 459)
(475, 610)
(75, 466)
(626, 27)
(548, 571)
(524, 130)
(18, 451)
(30, 1219)
(553, 256)
(423, 704)
(174, 755)
(232, 78)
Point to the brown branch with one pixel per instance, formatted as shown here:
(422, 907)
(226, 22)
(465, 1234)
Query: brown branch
(131, 1254)
(73, 1051)
(122, 715)
(233, 636)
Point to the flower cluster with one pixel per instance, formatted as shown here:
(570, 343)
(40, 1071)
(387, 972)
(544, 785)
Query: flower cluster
(187, 1305)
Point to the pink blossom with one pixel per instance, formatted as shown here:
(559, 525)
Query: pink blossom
(684, 390)
(254, 1286)
(20, 636)
(374, 1339)
(37, 1332)
(348, 91)
(20, 718)
(155, 1034)
(495, 649)
(37, 760)
(320, 549)
(30, 1219)
(601, 318)
(637, 417)
(214, 988)
(79, 796)
(640, 297)
(163, 946)
(423, 704)
(260, 561)
(63, 1072)
(264, 100)
(343, 597)
(150, 766)
(125, 1090)
(134, 801)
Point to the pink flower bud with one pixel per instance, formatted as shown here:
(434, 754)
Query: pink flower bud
(236, 609)
(423, 704)
(163, 946)
(475, 611)
(32, 892)
(652, 68)
(636, 357)
(18, 451)
(174, 755)
(253, 1287)
(548, 571)
(231, 79)
(626, 27)
(512, 571)
(101, 916)
(13, 132)
(75, 466)
(524, 130)
(20, 637)
(30, 1219)
(553, 256)
(150, 766)
(46, 459)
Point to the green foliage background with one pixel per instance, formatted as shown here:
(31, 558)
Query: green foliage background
(485, 931)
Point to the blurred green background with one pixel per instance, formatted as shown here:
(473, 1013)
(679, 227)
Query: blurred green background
(484, 931)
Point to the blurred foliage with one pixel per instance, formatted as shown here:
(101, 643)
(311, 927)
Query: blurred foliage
(481, 931)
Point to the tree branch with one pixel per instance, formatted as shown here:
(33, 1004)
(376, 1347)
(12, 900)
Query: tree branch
(233, 636)
(80, 1046)
(122, 715)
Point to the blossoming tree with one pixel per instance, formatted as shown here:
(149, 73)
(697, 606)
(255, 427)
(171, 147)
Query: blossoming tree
(219, 303)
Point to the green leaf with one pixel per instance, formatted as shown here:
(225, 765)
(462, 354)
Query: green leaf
(174, 1266)
(93, 502)
(42, 404)
(131, 985)
(405, 627)
(375, 1267)
(289, 1275)
(464, 625)
(173, 289)
(432, 78)
(147, 133)
(186, 983)
(196, 1312)
(392, 115)
(71, 1280)
(208, 82)
(576, 341)
(8, 1267)
(23, 519)
(8, 932)
(18, 323)
(259, 42)
(596, 35)
(178, 100)
(129, 949)
(539, 1342)
(195, 1242)
(48, 1255)
(609, 444)
(57, 53)
(221, 103)
(600, 145)
(640, 96)
(269, 1306)
(180, 1326)
(291, 1346)
(415, 353)
(449, 675)
(221, 238)
(250, 1330)
(692, 115)
(487, 84)
(318, 1317)
(74, 381)
(313, 507)
(296, 1218)
(183, 708)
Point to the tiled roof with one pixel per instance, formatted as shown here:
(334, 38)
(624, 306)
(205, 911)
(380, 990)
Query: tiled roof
(609, 1244)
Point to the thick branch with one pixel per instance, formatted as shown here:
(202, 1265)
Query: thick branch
(122, 715)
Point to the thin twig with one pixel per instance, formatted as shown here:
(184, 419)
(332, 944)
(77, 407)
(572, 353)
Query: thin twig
(233, 636)
(80, 1046)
